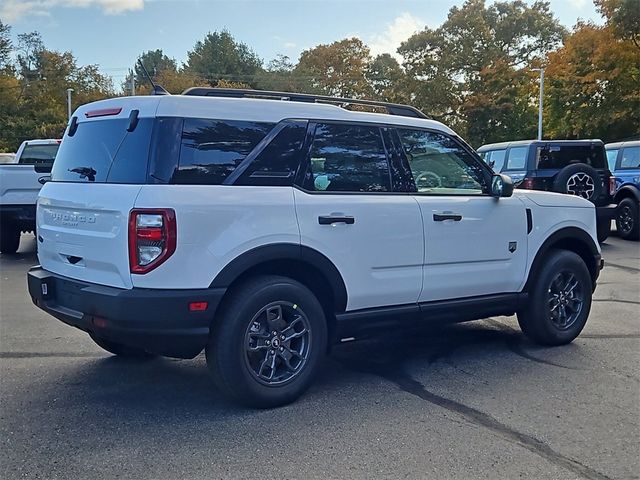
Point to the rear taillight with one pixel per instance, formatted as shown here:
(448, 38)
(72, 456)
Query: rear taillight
(526, 183)
(612, 185)
(152, 238)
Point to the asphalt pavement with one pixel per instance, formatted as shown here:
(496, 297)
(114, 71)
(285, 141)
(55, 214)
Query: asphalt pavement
(474, 400)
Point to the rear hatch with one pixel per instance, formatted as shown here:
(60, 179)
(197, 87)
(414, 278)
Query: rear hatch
(83, 212)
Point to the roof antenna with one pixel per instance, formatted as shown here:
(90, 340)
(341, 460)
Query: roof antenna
(157, 89)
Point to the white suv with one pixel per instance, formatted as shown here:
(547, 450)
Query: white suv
(263, 230)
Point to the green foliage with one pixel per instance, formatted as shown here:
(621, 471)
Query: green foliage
(220, 57)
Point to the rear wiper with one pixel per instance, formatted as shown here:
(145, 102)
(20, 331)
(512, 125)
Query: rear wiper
(85, 172)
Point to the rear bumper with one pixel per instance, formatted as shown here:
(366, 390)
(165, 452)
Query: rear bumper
(158, 321)
(605, 212)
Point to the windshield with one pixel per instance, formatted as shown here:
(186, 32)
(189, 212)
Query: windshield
(102, 151)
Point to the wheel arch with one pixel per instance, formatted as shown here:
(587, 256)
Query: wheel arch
(304, 264)
(572, 239)
(627, 191)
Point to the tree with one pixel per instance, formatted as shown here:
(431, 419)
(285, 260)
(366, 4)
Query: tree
(6, 46)
(387, 79)
(157, 64)
(623, 16)
(593, 85)
(452, 68)
(220, 57)
(338, 69)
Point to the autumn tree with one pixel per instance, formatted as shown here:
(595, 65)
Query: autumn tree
(338, 69)
(452, 68)
(593, 85)
(623, 16)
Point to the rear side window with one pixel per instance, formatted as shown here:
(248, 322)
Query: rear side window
(212, 149)
(103, 151)
(277, 163)
(612, 155)
(517, 159)
(559, 156)
(347, 158)
(495, 159)
(630, 157)
(38, 154)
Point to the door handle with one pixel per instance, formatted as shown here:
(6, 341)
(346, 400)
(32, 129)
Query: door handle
(441, 217)
(329, 219)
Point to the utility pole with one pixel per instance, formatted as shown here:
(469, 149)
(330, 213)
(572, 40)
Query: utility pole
(69, 90)
(541, 70)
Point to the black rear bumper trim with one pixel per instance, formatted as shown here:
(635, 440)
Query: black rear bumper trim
(158, 321)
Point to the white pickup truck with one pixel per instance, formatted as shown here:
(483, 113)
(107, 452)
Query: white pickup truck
(20, 183)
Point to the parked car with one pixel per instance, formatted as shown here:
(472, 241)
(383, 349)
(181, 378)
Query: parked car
(624, 162)
(7, 157)
(264, 230)
(576, 167)
(20, 183)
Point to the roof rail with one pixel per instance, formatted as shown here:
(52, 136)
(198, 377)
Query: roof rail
(392, 108)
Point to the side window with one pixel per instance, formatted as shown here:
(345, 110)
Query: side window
(440, 165)
(630, 157)
(347, 158)
(612, 155)
(277, 164)
(212, 149)
(517, 159)
(497, 160)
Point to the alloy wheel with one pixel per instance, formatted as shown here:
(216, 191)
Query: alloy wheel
(565, 300)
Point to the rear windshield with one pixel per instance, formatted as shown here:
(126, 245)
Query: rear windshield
(559, 156)
(103, 151)
(38, 154)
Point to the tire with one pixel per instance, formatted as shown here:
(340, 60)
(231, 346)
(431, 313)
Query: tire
(538, 322)
(119, 349)
(247, 362)
(9, 238)
(578, 179)
(603, 230)
(628, 219)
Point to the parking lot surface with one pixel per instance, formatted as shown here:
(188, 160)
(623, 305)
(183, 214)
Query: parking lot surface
(474, 400)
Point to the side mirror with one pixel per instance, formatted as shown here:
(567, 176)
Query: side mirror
(501, 186)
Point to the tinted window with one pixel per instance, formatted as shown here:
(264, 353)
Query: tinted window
(277, 163)
(630, 157)
(559, 156)
(611, 159)
(212, 149)
(347, 158)
(38, 154)
(439, 165)
(517, 159)
(103, 151)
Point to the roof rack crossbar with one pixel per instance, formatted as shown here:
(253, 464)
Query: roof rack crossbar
(392, 108)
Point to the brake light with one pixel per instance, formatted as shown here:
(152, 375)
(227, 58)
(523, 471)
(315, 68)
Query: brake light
(103, 112)
(612, 185)
(526, 183)
(152, 238)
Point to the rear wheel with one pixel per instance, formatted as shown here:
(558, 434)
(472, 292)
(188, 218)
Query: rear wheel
(267, 342)
(9, 238)
(120, 349)
(559, 300)
(628, 219)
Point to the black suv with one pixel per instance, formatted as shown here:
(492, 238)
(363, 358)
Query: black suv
(577, 167)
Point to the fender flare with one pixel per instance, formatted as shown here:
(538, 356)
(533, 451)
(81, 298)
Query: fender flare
(585, 244)
(283, 252)
(627, 191)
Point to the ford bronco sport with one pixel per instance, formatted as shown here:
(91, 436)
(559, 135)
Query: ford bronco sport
(575, 167)
(265, 228)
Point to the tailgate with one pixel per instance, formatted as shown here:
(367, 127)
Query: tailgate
(82, 231)
(19, 184)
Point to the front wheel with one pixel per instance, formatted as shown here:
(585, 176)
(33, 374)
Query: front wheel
(559, 300)
(267, 342)
(628, 219)
(603, 230)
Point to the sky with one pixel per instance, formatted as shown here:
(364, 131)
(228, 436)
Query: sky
(112, 33)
